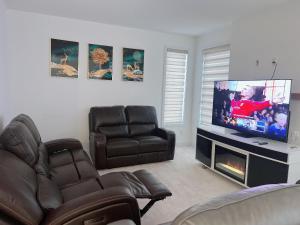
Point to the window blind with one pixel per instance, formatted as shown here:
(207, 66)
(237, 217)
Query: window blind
(215, 67)
(174, 87)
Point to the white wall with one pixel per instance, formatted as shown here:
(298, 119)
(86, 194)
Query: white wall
(2, 63)
(272, 33)
(60, 106)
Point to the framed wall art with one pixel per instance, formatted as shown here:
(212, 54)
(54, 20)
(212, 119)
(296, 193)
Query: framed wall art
(133, 64)
(100, 62)
(64, 58)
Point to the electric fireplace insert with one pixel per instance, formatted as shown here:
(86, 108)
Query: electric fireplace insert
(230, 163)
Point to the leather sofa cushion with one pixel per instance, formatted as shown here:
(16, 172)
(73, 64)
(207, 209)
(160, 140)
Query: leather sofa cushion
(141, 129)
(83, 164)
(121, 147)
(114, 131)
(61, 158)
(68, 157)
(141, 115)
(62, 167)
(121, 161)
(48, 194)
(79, 189)
(64, 175)
(42, 166)
(151, 144)
(30, 125)
(110, 121)
(18, 139)
(142, 120)
(18, 190)
(106, 116)
(23, 170)
(69, 167)
(125, 179)
(86, 170)
(79, 155)
(153, 185)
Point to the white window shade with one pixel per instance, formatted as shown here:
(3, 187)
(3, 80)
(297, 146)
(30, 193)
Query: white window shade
(215, 67)
(174, 89)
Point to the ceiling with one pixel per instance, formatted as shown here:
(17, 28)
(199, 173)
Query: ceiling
(190, 17)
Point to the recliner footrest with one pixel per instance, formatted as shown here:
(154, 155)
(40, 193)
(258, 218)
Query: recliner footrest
(157, 190)
(141, 183)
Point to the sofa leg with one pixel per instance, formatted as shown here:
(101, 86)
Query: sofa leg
(149, 205)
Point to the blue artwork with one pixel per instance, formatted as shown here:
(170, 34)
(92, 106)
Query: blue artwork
(133, 64)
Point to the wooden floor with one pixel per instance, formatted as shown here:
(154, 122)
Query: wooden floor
(188, 181)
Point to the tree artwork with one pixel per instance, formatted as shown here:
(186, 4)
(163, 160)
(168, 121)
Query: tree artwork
(99, 56)
(100, 62)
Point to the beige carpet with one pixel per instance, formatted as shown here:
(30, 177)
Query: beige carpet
(187, 180)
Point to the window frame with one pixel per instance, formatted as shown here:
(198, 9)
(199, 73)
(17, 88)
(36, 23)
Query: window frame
(178, 50)
(224, 47)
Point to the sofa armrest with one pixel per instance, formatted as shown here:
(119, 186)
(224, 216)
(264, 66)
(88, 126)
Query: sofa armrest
(62, 144)
(170, 137)
(164, 133)
(101, 207)
(97, 149)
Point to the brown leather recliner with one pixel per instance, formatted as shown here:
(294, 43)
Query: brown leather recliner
(122, 136)
(55, 183)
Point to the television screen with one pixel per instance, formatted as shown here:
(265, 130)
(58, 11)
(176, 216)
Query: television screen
(258, 108)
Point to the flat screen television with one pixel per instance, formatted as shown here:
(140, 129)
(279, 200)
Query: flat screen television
(254, 108)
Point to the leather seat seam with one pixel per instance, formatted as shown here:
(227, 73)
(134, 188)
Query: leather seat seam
(13, 212)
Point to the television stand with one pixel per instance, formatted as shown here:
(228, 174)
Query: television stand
(244, 135)
(249, 162)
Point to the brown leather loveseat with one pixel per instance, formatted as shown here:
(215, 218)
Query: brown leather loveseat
(122, 136)
(55, 183)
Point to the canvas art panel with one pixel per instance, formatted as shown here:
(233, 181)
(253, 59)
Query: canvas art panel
(100, 62)
(64, 58)
(133, 64)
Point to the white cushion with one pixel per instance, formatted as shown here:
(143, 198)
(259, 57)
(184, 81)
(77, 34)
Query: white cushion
(122, 222)
(268, 205)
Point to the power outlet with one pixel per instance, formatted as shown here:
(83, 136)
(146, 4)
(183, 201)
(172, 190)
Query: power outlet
(257, 62)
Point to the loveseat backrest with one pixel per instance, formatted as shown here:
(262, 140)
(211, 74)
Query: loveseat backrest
(110, 121)
(142, 120)
(18, 188)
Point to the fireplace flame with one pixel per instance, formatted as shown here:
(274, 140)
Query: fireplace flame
(235, 168)
(232, 166)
